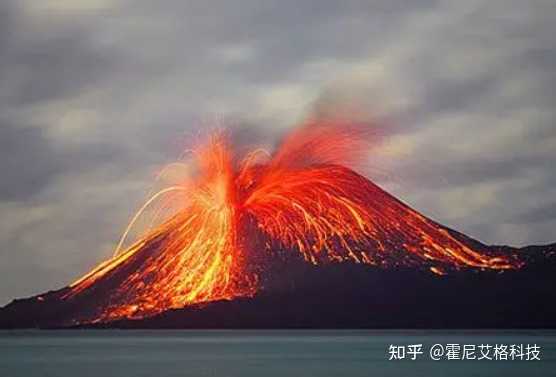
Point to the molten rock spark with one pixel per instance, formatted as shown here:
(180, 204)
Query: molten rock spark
(238, 213)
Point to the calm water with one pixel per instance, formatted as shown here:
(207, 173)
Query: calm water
(257, 353)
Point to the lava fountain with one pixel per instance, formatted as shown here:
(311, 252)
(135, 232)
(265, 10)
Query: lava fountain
(238, 213)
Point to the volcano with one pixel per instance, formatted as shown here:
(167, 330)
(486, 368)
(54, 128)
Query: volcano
(297, 238)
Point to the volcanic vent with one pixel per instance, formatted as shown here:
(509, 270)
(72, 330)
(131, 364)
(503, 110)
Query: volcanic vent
(242, 220)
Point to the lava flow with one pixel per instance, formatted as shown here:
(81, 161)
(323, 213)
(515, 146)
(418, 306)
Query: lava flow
(236, 214)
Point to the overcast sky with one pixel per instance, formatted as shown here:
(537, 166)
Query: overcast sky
(96, 95)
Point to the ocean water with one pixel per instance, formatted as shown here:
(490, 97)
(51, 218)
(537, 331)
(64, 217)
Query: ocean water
(261, 353)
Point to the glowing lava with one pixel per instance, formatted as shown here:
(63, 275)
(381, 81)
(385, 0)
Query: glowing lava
(238, 213)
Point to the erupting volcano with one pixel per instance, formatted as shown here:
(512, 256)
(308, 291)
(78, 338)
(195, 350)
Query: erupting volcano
(241, 221)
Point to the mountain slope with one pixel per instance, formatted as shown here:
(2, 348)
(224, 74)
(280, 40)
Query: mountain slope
(351, 296)
(376, 280)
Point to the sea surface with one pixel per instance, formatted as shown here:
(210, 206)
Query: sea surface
(260, 353)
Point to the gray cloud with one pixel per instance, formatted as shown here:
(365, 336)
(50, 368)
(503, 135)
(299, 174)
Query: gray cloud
(27, 161)
(43, 62)
(97, 94)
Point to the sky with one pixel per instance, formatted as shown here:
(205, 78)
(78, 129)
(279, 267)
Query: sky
(97, 95)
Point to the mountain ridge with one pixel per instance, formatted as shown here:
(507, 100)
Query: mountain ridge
(400, 298)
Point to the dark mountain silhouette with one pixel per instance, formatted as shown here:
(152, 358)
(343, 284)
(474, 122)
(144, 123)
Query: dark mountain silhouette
(350, 296)
(403, 270)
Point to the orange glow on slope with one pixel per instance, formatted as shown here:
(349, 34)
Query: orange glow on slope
(300, 201)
